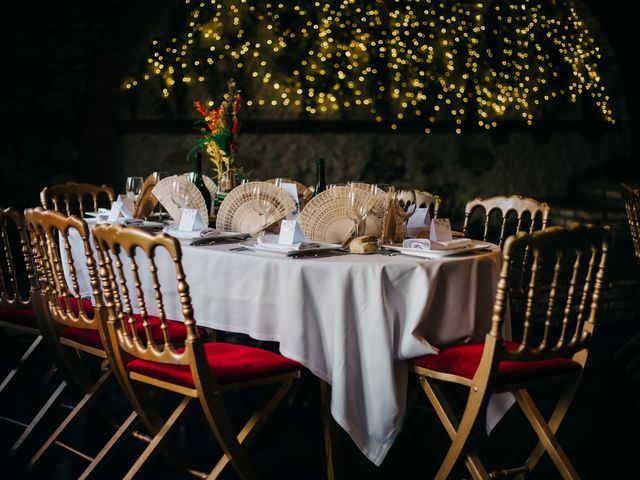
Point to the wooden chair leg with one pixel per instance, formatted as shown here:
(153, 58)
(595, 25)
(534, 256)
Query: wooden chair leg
(555, 420)
(451, 424)
(332, 448)
(112, 445)
(80, 408)
(546, 436)
(253, 426)
(25, 357)
(216, 414)
(163, 434)
(35, 423)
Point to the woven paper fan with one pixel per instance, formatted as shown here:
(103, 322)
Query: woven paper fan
(211, 186)
(325, 217)
(237, 213)
(146, 200)
(304, 193)
(164, 192)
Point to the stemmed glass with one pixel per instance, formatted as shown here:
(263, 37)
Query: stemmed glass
(180, 194)
(359, 202)
(133, 187)
(261, 204)
(381, 193)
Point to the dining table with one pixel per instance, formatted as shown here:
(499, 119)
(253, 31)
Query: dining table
(352, 320)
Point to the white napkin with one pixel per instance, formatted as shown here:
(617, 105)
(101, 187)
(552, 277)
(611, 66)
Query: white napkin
(270, 241)
(426, 244)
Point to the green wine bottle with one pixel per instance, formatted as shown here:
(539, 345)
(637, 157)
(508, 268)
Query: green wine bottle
(196, 178)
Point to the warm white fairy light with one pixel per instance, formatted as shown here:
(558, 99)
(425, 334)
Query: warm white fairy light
(393, 59)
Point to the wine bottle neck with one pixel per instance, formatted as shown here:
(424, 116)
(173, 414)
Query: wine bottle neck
(197, 162)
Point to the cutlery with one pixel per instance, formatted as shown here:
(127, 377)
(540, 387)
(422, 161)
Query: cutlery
(216, 240)
(316, 254)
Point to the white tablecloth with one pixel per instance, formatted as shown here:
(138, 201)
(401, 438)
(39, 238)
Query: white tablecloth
(351, 320)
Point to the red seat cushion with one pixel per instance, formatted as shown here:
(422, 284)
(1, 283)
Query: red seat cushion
(229, 362)
(20, 316)
(87, 306)
(90, 337)
(463, 361)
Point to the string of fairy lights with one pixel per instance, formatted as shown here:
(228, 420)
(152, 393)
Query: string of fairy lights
(391, 60)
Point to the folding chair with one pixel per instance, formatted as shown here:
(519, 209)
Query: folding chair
(73, 320)
(200, 371)
(17, 283)
(557, 327)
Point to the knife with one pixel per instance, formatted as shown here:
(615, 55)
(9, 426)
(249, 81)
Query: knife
(213, 240)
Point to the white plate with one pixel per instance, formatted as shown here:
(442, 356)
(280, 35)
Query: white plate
(253, 245)
(476, 248)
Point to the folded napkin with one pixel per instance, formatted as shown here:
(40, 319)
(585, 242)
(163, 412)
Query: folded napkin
(428, 245)
(271, 242)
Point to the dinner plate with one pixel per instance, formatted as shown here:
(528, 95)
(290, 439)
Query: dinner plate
(476, 248)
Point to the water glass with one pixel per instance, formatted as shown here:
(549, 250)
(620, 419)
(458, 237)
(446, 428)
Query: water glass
(133, 187)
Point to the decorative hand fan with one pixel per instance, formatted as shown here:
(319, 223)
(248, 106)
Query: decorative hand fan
(304, 193)
(240, 211)
(146, 200)
(325, 218)
(184, 195)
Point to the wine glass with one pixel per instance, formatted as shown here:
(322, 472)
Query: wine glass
(159, 210)
(359, 203)
(381, 195)
(133, 187)
(180, 194)
(261, 203)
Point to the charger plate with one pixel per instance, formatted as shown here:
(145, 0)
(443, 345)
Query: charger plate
(237, 213)
(325, 218)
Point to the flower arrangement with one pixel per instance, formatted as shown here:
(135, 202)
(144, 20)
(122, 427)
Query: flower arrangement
(221, 127)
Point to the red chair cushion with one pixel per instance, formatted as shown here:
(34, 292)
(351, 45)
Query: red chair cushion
(463, 361)
(91, 337)
(20, 316)
(229, 362)
(87, 306)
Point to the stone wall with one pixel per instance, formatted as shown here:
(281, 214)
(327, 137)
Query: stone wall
(458, 167)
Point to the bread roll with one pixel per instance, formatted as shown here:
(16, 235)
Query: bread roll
(365, 244)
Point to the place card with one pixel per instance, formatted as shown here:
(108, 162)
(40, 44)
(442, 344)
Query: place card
(114, 213)
(290, 233)
(418, 222)
(440, 230)
(190, 220)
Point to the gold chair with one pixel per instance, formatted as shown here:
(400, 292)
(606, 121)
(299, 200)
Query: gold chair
(16, 307)
(538, 213)
(73, 321)
(631, 198)
(423, 199)
(201, 370)
(557, 328)
(71, 197)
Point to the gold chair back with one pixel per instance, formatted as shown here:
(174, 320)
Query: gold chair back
(517, 205)
(13, 274)
(631, 198)
(51, 245)
(72, 198)
(423, 199)
(562, 290)
(125, 249)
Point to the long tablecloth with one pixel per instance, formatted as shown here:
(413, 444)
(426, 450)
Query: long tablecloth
(351, 320)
